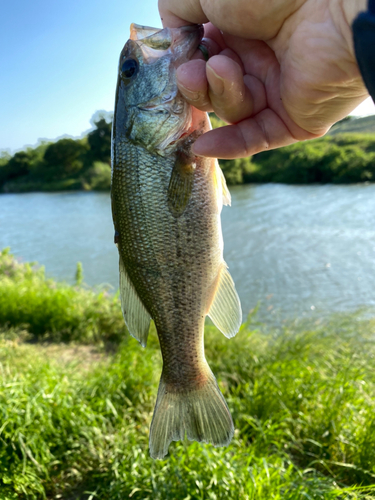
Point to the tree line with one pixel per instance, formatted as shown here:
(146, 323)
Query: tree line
(77, 164)
(84, 164)
(341, 159)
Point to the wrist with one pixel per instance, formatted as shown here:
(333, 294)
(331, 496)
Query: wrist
(352, 8)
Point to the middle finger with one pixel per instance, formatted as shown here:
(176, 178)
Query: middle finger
(229, 95)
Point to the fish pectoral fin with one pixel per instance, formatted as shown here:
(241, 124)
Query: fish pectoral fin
(225, 307)
(180, 185)
(136, 317)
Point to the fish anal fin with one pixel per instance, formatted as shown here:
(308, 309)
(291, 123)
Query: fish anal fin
(136, 317)
(181, 183)
(201, 413)
(225, 306)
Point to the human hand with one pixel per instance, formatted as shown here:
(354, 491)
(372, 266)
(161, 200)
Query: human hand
(280, 71)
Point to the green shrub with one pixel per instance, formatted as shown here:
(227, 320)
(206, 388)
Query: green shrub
(236, 171)
(52, 310)
(98, 177)
(99, 139)
(338, 159)
(63, 158)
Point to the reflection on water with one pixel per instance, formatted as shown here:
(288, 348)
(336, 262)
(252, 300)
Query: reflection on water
(295, 249)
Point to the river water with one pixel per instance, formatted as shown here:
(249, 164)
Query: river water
(294, 250)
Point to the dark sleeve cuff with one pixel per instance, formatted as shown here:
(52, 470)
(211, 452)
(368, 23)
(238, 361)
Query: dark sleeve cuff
(364, 45)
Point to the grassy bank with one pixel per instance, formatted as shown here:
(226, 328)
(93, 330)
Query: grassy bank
(75, 421)
(74, 418)
(49, 310)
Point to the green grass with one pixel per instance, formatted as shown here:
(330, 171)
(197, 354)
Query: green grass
(74, 419)
(55, 311)
(302, 400)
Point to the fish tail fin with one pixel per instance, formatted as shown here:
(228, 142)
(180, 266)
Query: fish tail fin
(200, 412)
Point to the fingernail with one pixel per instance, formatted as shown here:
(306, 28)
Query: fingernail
(189, 94)
(215, 81)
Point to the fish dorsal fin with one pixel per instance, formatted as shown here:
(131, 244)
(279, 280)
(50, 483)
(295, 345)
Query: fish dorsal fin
(225, 308)
(136, 317)
(181, 184)
(225, 191)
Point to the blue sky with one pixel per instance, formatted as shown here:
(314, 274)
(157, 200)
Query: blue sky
(58, 64)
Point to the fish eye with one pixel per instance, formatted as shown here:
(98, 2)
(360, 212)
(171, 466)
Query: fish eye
(129, 68)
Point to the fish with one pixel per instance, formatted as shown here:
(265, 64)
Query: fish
(166, 206)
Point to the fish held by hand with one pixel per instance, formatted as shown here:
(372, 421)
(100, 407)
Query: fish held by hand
(166, 206)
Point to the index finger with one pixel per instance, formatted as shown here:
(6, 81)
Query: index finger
(176, 13)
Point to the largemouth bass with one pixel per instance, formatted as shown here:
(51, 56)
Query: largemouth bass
(166, 207)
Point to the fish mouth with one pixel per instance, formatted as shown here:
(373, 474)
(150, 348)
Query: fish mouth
(183, 41)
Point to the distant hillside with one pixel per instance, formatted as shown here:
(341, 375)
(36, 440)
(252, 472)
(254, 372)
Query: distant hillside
(364, 125)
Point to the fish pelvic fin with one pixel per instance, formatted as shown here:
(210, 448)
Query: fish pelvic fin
(200, 413)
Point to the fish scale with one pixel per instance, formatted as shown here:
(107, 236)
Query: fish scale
(166, 207)
(172, 288)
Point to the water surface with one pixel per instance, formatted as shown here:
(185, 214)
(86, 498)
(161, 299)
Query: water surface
(296, 250)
